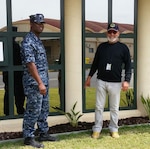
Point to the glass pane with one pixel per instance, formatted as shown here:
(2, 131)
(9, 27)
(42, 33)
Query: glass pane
(123, 11)
(90, 49)
(5, 93)
(90, 93)
(127, 98)
(91, 45)
(54, 90)
(1, 52)
(130, 43)
(3, 14)
(19, 97)
(1, 95)
(49, 8)
(96, 13)
(96, 10)
(18, 93)
(52, 46)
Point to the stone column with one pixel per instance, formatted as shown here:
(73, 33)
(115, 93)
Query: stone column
(143, 51)
(73, 54)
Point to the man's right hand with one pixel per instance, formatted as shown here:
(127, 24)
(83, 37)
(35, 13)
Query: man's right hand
(88, 81)
(42, 89)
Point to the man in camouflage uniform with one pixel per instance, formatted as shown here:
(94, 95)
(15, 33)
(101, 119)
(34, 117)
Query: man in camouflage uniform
(35, 81)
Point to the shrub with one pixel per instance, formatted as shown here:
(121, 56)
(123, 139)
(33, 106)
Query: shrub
(129, 100)
(72, 116)
(146, 103)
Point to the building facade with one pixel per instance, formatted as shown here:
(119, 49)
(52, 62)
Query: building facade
(77, 46)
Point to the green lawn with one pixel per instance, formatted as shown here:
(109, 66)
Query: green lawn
(1, 102)
(90, 98)
(55, 101)
(136, 137)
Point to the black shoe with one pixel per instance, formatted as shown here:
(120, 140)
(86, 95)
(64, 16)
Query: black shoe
(31, 141)
(47, 137)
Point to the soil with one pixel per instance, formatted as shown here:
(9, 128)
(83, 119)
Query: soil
(62, 128)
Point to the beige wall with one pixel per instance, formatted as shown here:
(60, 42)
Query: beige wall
(143, 49)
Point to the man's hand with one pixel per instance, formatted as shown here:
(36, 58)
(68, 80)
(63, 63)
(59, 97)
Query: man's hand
(125, 85)
(42, 89)
(88, 81)
(34, 72)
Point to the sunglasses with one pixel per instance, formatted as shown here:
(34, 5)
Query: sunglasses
(112, 31)
(40, 23)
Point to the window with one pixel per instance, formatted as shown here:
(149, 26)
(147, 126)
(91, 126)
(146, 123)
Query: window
(91, 50)
(1, 52)
(3, 14)
(97, 14)
(52, 38)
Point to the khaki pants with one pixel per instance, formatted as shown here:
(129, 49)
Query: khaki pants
(113, 89)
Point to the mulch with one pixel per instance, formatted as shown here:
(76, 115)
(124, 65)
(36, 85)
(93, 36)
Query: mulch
(63, 128)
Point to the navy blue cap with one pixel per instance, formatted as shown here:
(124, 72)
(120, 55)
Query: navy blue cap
(113, 26)
(37, 18)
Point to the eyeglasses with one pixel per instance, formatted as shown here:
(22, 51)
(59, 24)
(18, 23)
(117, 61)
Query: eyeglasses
(112, 31)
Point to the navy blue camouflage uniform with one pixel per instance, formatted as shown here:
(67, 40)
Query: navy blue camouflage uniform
(37, 106)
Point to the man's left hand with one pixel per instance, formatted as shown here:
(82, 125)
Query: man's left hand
(125, 85)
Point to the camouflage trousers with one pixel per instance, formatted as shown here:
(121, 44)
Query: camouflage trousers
(37, 110)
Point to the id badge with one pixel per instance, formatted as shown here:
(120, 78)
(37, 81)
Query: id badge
(108, 66)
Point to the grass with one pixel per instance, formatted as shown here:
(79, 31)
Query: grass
(55, 100)
(91, 95)
(1, 102)
(136, 137)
